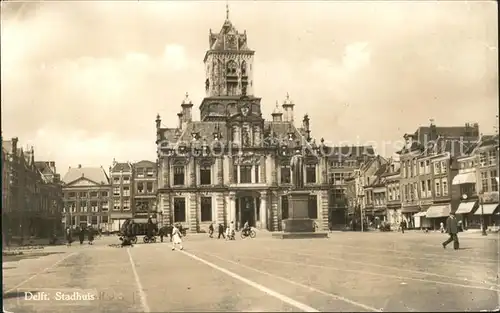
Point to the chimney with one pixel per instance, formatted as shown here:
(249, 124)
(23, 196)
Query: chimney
(52, 166)
(277, 114)
(181, 121)
(288, 109)
(306, 126)
(187, 109)
(79, 166)
(14, 145)
(158, 121)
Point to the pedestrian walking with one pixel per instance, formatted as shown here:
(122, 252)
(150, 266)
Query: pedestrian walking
(452, 231)
(441, 227)
(403, 226)
(211, 231)
(81, 235)
(90, 235)
(68, 236)
(176, 238)
(221, 231)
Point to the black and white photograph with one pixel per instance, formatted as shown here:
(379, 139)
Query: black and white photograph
(250, 156)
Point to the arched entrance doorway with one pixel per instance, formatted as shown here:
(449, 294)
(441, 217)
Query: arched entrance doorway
(247, 208)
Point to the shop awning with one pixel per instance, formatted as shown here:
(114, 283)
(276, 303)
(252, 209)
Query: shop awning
(420, 214)
(488, 209)
(465, 207)
(410, 209)
(436, 211)
(464, 178)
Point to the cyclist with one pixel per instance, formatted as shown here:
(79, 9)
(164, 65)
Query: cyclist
(246, 228)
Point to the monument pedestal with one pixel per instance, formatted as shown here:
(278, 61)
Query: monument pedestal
(299, 225)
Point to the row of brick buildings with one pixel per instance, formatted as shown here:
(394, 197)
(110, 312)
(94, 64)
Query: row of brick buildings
(106, 199)
(440, 170)
(31, 193)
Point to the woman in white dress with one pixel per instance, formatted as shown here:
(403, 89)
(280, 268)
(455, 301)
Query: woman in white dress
(176, 237)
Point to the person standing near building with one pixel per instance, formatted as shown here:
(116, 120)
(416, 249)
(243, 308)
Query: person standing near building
(211, 230)
(176, 238)
(68, 236)
(452, 231)
(90, 235)
(81, 235)
(221, 231)
(441, 227)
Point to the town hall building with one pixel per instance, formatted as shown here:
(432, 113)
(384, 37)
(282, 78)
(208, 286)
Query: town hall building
(234, 165)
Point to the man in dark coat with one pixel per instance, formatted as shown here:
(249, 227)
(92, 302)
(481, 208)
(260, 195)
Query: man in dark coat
(221, 231)
(81, 235)
(452, 231)
(90, 235)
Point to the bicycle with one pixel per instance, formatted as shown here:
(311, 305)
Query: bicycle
(248, 233)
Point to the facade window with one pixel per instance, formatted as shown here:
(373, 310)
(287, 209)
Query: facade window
(104, 219)
(429, 189)
(93, 206)
(311, 173)
(179, 210)
(398, 195)
(437, 187)
(83, 206)
(149, 172)
(205, 175)
(116, 191)
(256, 174)
(422, 167)
(422, 188)
(284, 207)
(286, 175)
(104, 194)
(483, 159)
(149, 187)
(493, 179)
(140, 187)
(403, 168)
(93, 194)
(140, 172)
(437, 168)
(71, 194)
(83, 195)
(245, 174)
(116, 179)
(206, 209)
(105, 206)
(126, 191)
(313, 207)
(179, 175)
(444, 185)
(414, 167)
(484, 181)
(116, 204)
(427, 166)
(338, 178)
(444, 167)
(126, 204)
(492, 157)
(126, 179)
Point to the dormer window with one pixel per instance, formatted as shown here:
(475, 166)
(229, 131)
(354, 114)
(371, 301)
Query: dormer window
(231, 68)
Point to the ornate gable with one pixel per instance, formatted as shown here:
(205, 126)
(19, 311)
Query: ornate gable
(82, 182)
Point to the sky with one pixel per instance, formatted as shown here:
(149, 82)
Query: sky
(82, 82)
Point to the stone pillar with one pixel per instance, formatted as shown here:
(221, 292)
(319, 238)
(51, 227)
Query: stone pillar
(220, 171)
(252, 175)
(192, 172)
(232, 208)
(263, 210)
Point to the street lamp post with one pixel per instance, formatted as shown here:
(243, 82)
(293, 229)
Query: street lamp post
(483, 226)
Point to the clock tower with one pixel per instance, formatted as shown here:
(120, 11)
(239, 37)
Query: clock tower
(228, 74)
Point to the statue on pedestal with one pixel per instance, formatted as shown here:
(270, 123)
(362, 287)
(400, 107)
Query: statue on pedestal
(297, 166)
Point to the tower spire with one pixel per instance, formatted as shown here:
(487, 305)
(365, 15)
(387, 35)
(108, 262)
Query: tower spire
(227, 10)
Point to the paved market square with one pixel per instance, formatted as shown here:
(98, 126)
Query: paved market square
(346, 272)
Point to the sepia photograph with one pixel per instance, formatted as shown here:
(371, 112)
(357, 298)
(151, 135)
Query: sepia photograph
(250, 156)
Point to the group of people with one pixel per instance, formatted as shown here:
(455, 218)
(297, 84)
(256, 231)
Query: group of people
(229, 232)
(80, 232)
